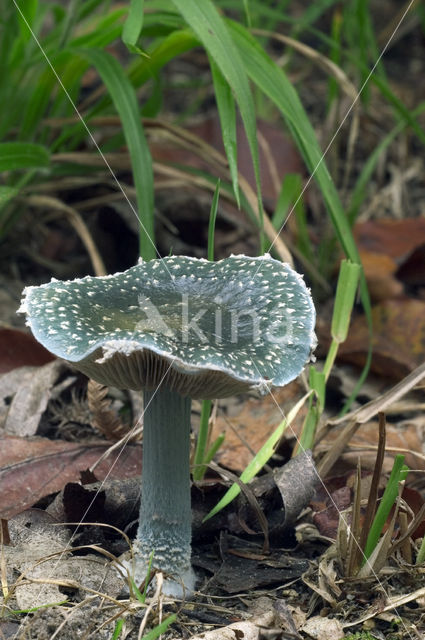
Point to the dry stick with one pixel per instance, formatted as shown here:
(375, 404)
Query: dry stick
(122, 161)
(344, 82)
(405, 548)
(369, 410)
(387, 33)
(204, 150)
(328, 461)
(414, 524)
(184, 138)
(274, 174)
(67, 183)
(193, 142)
(74, 218)
(364, 414)
(325, 63)
(354, 550)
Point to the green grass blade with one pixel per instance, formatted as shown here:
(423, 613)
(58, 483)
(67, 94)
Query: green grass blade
(117, 629)
(37, 104)
(22, 155)
(211, 29)
(259, 460)
(227, 114)
(29, 12)
(124, 99)
(335, 54)
(106, 30)
(399, 107)
(420, 558)
(144, 68)
(348, 282)
(275, 84)
(160, 628)
(211, 224)
(201, 444)
(133, 24)
(398, 473)
(312, 13)
(7, 194)
(214, 448)
(87, 8)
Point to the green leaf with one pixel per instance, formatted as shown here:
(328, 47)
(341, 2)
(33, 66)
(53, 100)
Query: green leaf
(107, 29)
(227, 114)
(175, 44)
(274, 83)
(398, 474)
(318, 384)
(117, 629)
(26, 15)
(203, 17)
(125, 102)
(133, 24)
(22, 155)
(348, 282)
(6, 194)
(160, 628)
(211, 225)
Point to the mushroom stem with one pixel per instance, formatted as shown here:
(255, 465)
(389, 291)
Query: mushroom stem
(165, 520)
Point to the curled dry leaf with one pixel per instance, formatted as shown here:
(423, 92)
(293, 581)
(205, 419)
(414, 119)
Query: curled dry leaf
(297, 481)
(113, 501)
(104, 418)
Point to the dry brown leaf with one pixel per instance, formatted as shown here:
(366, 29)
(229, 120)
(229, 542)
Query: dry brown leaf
(394, 238)
(392, 253)
(297, 481)
(380, 271)
(250, 422)
(18, 349)
(24, 394)
(398, 338)
(31, 468)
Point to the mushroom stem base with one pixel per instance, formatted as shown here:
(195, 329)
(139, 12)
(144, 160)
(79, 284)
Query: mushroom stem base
(165, 522)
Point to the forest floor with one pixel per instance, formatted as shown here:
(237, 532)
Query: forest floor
(290, 579)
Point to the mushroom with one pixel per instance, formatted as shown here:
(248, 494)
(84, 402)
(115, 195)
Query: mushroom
(178, 328)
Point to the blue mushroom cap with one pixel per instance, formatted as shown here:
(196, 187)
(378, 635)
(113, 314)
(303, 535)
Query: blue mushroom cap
(205, 329)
